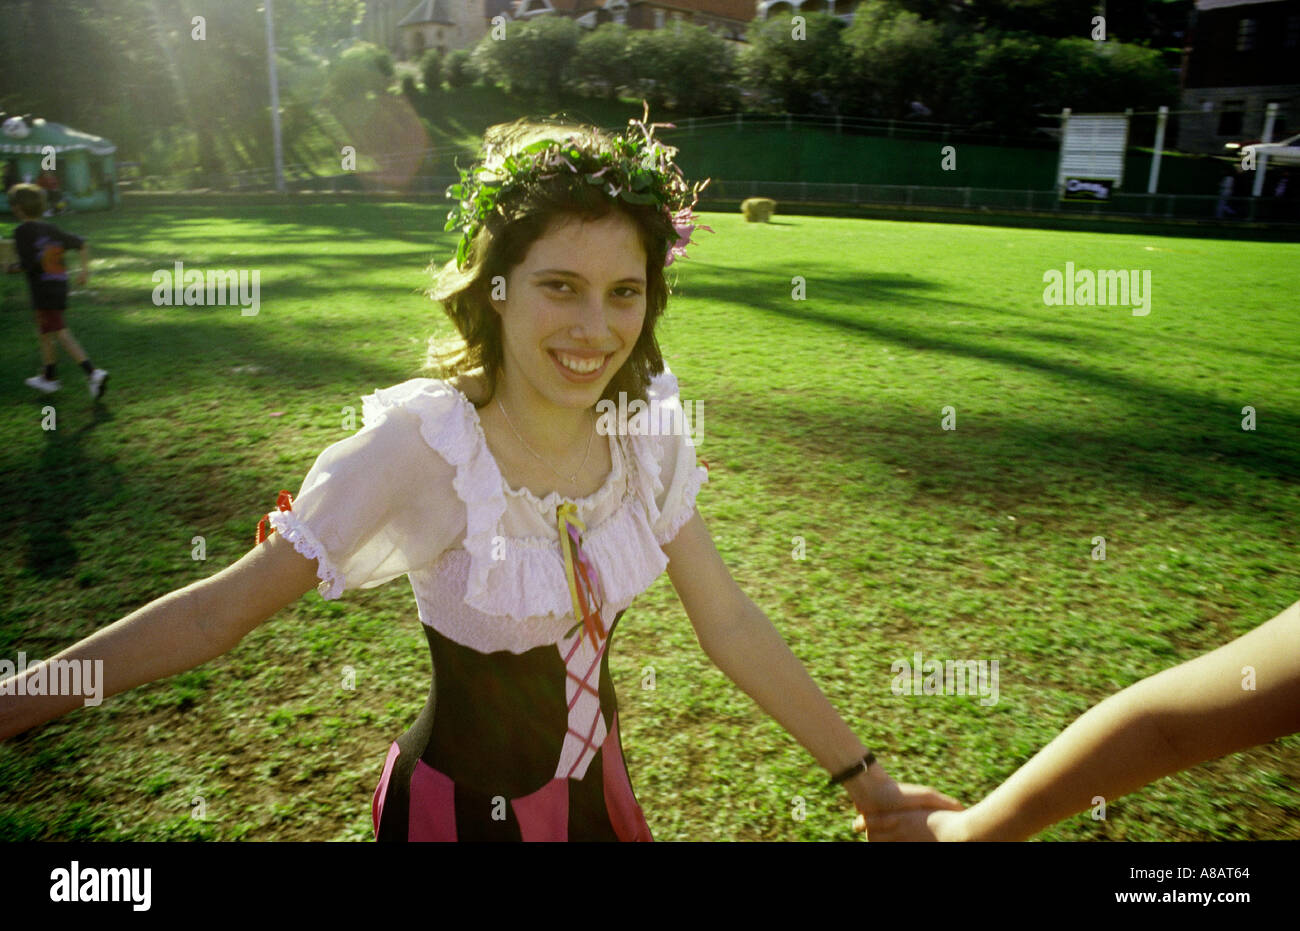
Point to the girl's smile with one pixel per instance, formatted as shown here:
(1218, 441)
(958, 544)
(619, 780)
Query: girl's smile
(578, 366)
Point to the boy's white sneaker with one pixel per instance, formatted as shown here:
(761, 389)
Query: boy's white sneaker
(41, 383)
(98, 382)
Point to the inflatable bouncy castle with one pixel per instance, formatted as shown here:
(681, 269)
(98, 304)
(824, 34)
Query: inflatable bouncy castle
(84, 167)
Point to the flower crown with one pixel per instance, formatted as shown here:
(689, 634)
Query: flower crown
(637, 168)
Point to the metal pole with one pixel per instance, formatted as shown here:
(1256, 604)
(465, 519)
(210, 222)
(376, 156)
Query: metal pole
(275, 99)
(1262, 162)
(1154, 179)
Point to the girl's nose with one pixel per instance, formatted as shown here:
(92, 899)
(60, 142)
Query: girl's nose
(591, 323)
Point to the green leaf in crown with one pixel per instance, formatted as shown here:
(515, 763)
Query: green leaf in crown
(638, 168)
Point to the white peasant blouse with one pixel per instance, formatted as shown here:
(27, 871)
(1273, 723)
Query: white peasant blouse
(417, 492)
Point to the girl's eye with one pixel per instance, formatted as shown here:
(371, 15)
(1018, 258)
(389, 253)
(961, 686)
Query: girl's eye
(556, 285)
(631, 293)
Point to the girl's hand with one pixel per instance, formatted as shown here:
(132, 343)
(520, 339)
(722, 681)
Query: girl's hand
(874, 792)
(918, 824)
(84, 276)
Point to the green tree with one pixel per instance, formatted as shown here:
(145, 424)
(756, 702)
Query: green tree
(604, 58)
(1008, 81)
(798, 69)
(1112, 76)
(686, 65)
(362, 69)
(458, 69)
(896, 57)
(431, 70)
(136, 72)
(534, 57)
(323, 26)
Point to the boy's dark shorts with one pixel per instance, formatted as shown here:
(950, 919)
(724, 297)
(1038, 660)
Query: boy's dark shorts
(50, 321)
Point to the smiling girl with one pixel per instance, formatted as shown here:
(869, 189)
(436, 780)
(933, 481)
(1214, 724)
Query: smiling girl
(525, 530)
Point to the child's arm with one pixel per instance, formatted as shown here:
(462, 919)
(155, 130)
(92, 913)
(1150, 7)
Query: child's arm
(1186, 715)
(178, 631)
(84, 252)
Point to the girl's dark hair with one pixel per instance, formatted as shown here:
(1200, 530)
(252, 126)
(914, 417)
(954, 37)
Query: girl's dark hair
(502, 242)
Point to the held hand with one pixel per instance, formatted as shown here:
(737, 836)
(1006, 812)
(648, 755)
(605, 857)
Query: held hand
(84, 276)
(873, 792)
(917, 824)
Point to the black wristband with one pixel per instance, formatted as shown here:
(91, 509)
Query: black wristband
(861, 766)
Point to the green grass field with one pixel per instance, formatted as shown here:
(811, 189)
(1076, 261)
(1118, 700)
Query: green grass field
(822, 421)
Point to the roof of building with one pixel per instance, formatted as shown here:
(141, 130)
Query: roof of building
(741, 10)
(428, 11)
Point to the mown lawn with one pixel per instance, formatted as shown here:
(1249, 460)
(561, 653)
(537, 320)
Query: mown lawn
(823, 421)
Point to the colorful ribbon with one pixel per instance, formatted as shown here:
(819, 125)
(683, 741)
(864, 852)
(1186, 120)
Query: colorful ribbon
(580, 572)
(283, 503)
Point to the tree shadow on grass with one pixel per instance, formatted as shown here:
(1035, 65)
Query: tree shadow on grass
(1166, 446)
(831, 286)
(406, 222)
(1009, 462)
(154, 362)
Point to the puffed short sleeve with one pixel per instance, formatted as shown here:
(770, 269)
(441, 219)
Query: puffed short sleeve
(374, 506)
(673, 426)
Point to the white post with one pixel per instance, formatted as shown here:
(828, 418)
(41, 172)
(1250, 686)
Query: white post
(1154, 179)
(1261, 163)
(275, 99)
(1060, 161)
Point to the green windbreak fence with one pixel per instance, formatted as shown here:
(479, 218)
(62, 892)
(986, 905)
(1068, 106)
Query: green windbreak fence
(773, 153)
(805, 156)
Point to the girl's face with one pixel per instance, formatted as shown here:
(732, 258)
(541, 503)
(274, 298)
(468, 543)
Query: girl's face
(573, 310)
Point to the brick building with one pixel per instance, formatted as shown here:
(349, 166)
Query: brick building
(407, 28)
(1240, 57)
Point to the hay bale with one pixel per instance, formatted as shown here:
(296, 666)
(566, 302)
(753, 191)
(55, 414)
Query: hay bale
(758, 209)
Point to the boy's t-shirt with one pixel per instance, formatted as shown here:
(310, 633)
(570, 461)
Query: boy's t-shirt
(40, 247)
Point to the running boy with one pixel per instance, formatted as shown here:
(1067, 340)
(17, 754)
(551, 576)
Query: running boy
(40, 249)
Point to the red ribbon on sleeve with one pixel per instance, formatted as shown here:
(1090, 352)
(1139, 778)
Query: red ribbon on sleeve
(283, 503)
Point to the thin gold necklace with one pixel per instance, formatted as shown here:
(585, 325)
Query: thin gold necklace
(573, 479)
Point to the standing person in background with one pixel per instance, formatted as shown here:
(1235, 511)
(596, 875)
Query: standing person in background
(11, 174)
(49, 182)
(1223, 209)
(40, 247)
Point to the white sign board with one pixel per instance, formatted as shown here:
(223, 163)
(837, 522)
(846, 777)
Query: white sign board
(1093, 146)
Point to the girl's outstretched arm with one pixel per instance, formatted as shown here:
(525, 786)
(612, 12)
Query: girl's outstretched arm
(738, 637)
(1247, 692)
(171, 634)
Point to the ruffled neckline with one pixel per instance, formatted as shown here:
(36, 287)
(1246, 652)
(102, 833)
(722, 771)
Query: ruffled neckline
(548, 503)
(530, 581)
